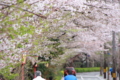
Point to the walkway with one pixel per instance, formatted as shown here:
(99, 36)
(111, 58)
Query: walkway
(91, 76)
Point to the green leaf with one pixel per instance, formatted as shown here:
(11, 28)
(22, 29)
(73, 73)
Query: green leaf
(19, 45)
(26, 40)
(12, 54)
(2, 30)
(6, 72)
(22, 28)
(32, 27)
(35, 43)
(50, 46)
(10, 29)
(45, 30)
(76, 30)
(20, 1)
(11, 36)
(52, 39)
(10, 22)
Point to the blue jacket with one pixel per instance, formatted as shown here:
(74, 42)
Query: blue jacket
(111, 69)
(70, 77)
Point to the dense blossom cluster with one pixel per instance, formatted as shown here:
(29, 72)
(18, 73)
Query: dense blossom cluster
(85, 27)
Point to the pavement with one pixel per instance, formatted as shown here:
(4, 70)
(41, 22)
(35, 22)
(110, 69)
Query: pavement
(92, 76)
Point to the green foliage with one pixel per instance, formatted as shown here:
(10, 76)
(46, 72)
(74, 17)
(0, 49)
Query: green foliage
(20, 31)
(7, 74)
(20, 1)
(52, 39)
(58, 75)
(19, 45)
(11, 36)
(41, 67)
(10, 29)
(1, 14)
(26, 27)
(46, 29)
(24, 30)
(11, 32)
(53, 53)
(10, 22)
(76, 30)
(2, 30)
(36, 42)
(98, 53)
(60, 50)
(50, 71)
(26, 41)
(90, 69)
(46, 71)
(57, 50)
(2, 55)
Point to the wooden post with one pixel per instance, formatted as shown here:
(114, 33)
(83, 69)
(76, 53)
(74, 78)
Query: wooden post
(113, 56)
(108, 77)
(119, 63)
(86, 60)
(108, 65)
(23, 64)
(35, 69)
(119, 57)
(101, 64)
(104, 62)
(22, 71)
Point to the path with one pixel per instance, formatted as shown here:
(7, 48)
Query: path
(91, 76)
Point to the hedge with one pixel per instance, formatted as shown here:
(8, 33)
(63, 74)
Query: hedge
(90, 69)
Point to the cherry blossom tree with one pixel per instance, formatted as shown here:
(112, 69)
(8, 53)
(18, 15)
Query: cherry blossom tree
(55, 30)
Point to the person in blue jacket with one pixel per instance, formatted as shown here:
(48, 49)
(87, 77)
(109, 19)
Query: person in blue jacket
(70, 76)
(111, 70)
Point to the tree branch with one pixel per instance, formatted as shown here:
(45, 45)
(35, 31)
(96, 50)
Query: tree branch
(39, 15)
(95, 6)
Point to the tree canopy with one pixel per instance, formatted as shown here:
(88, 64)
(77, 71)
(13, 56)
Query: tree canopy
(53, 29)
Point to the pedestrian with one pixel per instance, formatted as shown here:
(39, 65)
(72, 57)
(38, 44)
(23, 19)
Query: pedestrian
(38, 76)
(111, 70)
(70, 76)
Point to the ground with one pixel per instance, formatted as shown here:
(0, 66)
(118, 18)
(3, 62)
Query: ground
(91, 76)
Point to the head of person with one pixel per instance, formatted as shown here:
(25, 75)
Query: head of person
(69, 71)
(38, 73)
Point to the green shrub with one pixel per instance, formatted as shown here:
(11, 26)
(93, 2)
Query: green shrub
(59, 75)
(90, 69)
(6, 73)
